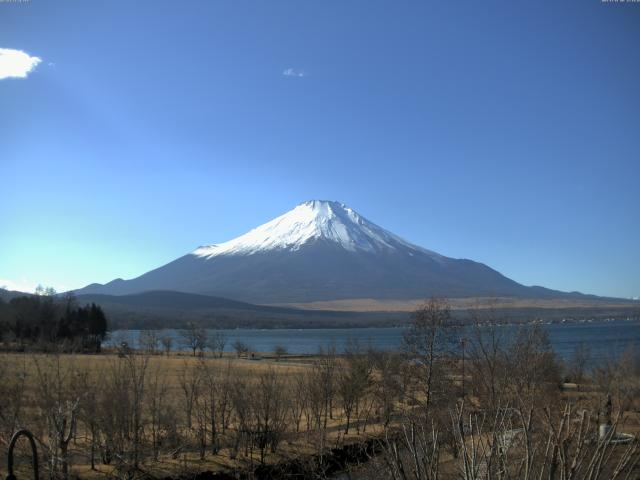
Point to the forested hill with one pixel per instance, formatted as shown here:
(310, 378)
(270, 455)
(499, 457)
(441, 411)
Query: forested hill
(43, 322)
(169, 309)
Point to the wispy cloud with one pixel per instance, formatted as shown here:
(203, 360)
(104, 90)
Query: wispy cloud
(16, 63)
(294, 72)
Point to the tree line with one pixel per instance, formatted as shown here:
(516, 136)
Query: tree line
(46, 321)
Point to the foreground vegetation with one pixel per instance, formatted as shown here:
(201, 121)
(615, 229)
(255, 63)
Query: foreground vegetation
(496, 407)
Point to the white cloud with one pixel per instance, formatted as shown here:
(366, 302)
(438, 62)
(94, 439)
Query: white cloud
(293, 72)
(22, 285)
(29, 286)
(16, 63)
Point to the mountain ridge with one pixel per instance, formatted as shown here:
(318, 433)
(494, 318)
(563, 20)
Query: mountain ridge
(321, 251)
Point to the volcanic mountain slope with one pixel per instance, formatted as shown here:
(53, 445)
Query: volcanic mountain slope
(320, 251)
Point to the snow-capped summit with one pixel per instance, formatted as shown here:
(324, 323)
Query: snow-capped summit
(320, 250)
(308, 222)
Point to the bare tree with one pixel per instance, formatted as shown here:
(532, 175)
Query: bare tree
(136, 368)
(167, 344)
(534, 374)
(353, 380)
(618, 378)
(148, 341)
(321, 386)
(299, 400)
(512, 444)
(488, 361)
(269, 407)
(194, 338)
(387, 383)
(414, 453)
(579, 362)
(279, 351)
(190, 380)
(316, 403)
(114, 408)
(88, 414)
(239, 391)
(426, 344)
(213, 389)
(241, 348)
(12, 395)
(156, 407)
(224, 401)
(326, 372)
(217, 343)
(202, 411)
(58, 401)
(45, 291)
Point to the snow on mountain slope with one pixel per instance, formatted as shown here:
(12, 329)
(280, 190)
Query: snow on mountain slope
(309, 221)
(321, 251)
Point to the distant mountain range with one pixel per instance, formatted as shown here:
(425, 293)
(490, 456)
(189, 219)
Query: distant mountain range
(323, 251)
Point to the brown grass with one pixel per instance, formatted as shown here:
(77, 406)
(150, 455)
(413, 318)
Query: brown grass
(294, 446)
(396, 305)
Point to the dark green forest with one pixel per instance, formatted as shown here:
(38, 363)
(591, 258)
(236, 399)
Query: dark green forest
(43, 322)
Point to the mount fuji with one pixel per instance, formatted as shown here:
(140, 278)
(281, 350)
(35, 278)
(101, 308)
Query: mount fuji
(322, 251)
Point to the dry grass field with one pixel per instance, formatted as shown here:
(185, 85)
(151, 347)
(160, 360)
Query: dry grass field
(131, 414)
(174, 370)
(498, 303)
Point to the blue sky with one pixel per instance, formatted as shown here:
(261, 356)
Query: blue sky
(504, 132)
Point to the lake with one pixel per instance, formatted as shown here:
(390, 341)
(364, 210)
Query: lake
(606, 339)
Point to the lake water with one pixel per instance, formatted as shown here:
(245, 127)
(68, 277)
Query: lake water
(606, 339)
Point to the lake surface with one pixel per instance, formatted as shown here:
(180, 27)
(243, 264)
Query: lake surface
(606, 339)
